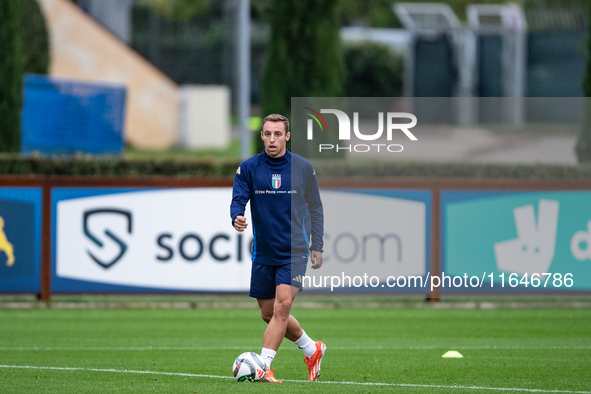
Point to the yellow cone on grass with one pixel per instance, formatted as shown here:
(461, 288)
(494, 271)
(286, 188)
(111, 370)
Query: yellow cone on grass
(452, 354)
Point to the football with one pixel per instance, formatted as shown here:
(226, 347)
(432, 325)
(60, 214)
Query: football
(249, 367)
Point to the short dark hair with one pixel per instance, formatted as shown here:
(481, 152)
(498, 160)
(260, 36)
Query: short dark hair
(277, 118)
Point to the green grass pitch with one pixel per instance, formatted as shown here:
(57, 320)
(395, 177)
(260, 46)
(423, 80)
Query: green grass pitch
(371, 350)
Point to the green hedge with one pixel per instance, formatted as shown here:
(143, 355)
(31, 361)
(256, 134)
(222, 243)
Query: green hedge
(449, 170)
(12, 164)
(15, 165)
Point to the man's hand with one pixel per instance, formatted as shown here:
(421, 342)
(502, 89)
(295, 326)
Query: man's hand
(240, 223)
(316, 259)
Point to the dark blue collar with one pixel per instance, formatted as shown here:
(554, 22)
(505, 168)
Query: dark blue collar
(279, 159)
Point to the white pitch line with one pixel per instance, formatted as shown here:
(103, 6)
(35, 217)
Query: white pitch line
(116, 370)
(459, 347)
(142, 348)
(298, 381)
(147, 348)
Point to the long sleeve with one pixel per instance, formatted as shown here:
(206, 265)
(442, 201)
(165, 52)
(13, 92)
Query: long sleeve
(240, 193)
(312, 197)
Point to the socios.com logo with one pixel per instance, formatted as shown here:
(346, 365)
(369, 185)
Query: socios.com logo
(344, 132)
(99, 240)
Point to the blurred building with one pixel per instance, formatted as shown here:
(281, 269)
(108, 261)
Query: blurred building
(444, 56)
(90, 41)
(115, 15)
(83, 49)
(501, 51)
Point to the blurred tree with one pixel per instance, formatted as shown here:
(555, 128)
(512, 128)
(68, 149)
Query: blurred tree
(180, 10)
(304, 58)
(373, 70)
(583, 147)
(34, 34)
(370, 13)
(11, 70)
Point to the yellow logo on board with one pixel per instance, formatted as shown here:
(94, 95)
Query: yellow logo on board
(6, 246)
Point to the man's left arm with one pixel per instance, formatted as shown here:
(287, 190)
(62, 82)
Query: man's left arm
(312, 197)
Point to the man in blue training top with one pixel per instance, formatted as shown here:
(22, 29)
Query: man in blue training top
(286, 209)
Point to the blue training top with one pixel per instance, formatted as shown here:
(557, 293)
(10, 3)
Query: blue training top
(285, 206)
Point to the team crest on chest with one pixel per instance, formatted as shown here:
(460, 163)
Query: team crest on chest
(276, 181)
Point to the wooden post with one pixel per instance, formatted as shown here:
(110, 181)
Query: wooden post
(434, 295)
(45, 294)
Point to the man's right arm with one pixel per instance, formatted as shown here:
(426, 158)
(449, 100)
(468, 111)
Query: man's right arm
(240, 197)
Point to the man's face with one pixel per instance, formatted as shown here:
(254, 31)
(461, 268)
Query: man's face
(274, 136)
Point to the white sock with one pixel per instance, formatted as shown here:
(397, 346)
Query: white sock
(307, 345)
(268, 355)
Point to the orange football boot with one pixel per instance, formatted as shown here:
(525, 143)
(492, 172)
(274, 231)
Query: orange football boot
(270, 377)
(313, 362)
